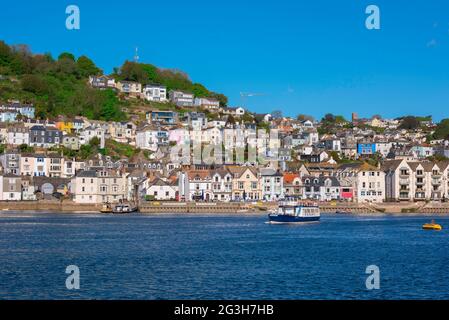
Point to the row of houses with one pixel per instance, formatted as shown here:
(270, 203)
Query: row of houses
(96, 183)
(154, 92)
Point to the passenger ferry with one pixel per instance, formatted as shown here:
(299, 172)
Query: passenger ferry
(294, 212)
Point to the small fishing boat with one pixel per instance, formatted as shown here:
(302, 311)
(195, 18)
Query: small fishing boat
(432, 226)
(106, 208)
(294, 212)
(124, 208)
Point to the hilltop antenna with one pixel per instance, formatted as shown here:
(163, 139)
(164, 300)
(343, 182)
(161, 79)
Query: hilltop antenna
(136, 55)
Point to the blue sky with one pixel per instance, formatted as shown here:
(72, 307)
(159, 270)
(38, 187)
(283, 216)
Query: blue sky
(310, 57)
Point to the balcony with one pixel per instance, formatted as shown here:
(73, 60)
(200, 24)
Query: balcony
(436, 175)
(404, 175)
(404, 181)
(420, 183)
(436, 182)
(420, 174)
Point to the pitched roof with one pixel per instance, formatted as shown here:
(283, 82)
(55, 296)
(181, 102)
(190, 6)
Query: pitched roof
(289, 177)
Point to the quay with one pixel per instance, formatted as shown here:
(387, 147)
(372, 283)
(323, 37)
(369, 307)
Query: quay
(154, 207)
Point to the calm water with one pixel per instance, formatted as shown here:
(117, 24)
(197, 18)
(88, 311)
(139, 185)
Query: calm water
(134, 257)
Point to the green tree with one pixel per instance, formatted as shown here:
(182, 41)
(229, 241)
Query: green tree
(34, 84)
(24, 148)
(66, 55)
(87, 67)
(409, 123)
(199, 90)
(442, 130)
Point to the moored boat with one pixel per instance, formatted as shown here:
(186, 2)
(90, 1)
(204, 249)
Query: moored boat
(124, 208)
(106, 208)
(293, 212)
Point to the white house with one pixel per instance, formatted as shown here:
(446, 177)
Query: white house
(162, 190)
(151, 138)
(272, 184)
(370, 184)
(155, 93)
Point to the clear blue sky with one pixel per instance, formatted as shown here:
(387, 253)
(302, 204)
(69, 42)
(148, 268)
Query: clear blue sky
(308, 57)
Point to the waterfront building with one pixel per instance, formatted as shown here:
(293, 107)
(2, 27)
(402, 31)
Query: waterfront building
(221, 184)
(11, 187)
(272, 184)
(370, 184)
(415, 181)
(162, 190)
(245, 184)
(195, 185)
(293, 185)
(98, 186)
(321, 188)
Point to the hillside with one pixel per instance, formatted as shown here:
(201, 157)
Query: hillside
(60, 86)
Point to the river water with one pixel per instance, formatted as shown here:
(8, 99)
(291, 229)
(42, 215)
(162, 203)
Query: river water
(220, 257)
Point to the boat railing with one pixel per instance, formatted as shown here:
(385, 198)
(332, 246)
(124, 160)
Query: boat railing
(292, 203)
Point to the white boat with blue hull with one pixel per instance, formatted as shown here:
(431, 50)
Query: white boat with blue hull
(293, 212)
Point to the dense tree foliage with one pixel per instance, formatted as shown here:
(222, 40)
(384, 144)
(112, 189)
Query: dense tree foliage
(55, 87)
(442, 130)
(409, 123)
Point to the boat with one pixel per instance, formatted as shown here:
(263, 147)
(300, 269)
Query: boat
(106, 208)
(294, 212)
(432, 226)
(124, 208)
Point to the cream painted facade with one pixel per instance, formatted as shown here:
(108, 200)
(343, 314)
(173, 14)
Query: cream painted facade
(414, 181)
(370, 184)
(97, 187)
(245, 184)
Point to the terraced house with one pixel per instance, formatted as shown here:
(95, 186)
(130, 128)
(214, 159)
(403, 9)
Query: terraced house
(416, 181)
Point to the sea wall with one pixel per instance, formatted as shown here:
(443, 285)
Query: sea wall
(48, 206)
(68, 206)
